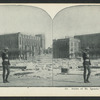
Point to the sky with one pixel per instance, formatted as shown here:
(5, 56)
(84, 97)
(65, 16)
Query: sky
(76, 20)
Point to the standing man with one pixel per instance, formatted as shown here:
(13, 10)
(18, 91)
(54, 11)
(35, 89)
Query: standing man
(86, 64)
(5, 64)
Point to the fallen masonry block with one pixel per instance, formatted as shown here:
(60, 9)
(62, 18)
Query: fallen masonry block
(90, 66)
(64, 70)
(98, 74)
(17, 67)
(23, 73)
(36, 68)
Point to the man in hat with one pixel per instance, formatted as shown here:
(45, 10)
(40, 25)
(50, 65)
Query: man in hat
(5, 64)
(86, 64)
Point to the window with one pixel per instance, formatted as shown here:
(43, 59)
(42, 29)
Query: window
(71, 43)
(20, 40)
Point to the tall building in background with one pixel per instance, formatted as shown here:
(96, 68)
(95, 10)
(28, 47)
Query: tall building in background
(42, 42)
(66, 48)
(20, 45)
(92, 41)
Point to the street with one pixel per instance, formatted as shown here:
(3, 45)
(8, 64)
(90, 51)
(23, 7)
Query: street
(45, 72)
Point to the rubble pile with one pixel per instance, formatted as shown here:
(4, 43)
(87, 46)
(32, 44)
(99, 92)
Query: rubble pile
(44, 66)
(39, 67)
(66, 63)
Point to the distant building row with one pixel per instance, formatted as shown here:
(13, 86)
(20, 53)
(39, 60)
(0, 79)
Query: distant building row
(23, 46)
(72, 47)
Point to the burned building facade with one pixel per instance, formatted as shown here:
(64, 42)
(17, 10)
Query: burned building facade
(66, 48)
(70, 47)
(42, 42)
(92, 41)
(20, 45)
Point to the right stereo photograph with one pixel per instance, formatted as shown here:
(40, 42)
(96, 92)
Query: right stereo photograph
(76, 46)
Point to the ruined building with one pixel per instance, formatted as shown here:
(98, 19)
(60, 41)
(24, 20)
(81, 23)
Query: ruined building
(20, 45)
(92, 41)
(42, 41)
(66, 48)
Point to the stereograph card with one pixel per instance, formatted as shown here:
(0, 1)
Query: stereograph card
(49, 49)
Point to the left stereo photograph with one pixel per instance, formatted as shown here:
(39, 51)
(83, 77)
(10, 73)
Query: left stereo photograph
(25, 46)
